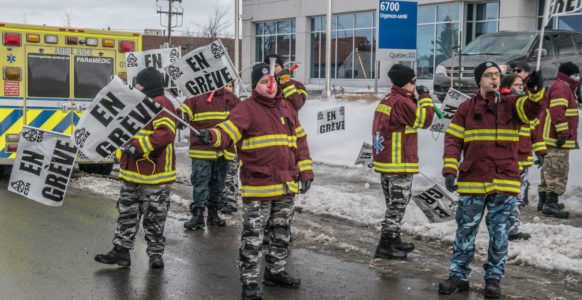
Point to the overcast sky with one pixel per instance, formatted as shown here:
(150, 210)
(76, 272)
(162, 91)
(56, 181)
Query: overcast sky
(128, 15)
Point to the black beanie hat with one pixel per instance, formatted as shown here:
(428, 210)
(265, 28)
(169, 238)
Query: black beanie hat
(152, 81)
(400, 75)
(480, 69)
(520, 63)
(569, 68)
(278, 59)
(258, 71)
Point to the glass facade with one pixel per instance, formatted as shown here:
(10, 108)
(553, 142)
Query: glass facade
(353, 42)
(481, 18)
(275, 37)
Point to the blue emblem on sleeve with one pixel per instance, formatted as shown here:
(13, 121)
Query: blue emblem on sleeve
(378, 142)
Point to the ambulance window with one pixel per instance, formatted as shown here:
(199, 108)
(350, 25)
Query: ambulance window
(48, 75)
(91, 75)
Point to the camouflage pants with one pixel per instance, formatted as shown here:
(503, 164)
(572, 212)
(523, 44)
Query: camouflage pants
(554, 174)
(151, 201)
(397, 191)
(231, 192)
(207, 182)
(468, 217)
(276, 214)
(520, 203)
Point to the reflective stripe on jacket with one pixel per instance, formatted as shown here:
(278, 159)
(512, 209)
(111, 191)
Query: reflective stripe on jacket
(294, 92)
(394, 132)
(530, 138)
(561, 119)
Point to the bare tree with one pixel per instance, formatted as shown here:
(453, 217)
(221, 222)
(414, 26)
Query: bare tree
(217, 24)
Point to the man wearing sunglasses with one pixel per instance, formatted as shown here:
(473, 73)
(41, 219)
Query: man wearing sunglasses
(481, 146)
(521, 68)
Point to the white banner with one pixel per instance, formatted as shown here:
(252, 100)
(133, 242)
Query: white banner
(564, 7)
(157, 58)
(437, 204)
(203, 70)
(365, 157)
(449, 106)
(43, 165)
(116, 115)
(331, 120)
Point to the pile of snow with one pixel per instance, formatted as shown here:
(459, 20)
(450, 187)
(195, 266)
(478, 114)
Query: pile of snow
(552, 247)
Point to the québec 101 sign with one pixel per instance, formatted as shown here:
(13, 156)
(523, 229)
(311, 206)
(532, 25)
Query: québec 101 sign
(397, 24)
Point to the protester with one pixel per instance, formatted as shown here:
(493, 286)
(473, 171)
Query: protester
(484, 133)
(209, 166)
(560, 135)
(530, 138)
(396, 122)
(275, 158)
(147, 171)
(520, 68)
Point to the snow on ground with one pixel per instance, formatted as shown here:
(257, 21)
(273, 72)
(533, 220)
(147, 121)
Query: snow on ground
(552, 247)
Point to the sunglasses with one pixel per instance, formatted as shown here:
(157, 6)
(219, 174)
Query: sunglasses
(517, 70)
(413, 81)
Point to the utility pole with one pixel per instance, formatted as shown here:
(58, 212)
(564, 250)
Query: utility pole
(177, 11)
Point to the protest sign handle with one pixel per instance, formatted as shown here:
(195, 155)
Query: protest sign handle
(181, 120)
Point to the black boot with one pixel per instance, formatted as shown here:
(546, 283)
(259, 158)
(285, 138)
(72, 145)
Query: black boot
(403, 246)
(197, 220)
(156, 261)
(453, 284)
(542, 200)
(387, 249)
(118, 255)
(492, 289)
(551, 207)
(281, 279)
(251, 292)
(519, 236)
(213, 219)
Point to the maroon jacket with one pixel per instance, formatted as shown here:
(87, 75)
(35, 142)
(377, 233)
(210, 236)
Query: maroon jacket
(486, 135)
(156, 144)
(271, 145)
(394, 131)
(561, 119)
(294, 92)
(203, 114)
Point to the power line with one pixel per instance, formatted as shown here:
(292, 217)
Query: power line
(177, 11)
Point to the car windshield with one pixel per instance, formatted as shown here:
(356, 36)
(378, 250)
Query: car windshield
(499, 44)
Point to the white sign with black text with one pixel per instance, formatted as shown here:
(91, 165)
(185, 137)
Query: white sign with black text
(331, 120)
(203, 70)
(43, 165)
(437, 204)
(365, 158)
(157, 58)
(449, 106)
(116, 115)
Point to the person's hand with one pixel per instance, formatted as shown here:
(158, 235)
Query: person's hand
(305, 185)
(450, 182)
(204, 136)
(132, 151)
(540, 161)
(561, 141)
(284, 75)
(535, 81)
(421, 89)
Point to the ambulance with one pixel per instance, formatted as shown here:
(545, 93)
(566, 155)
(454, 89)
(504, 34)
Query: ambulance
(49, 77)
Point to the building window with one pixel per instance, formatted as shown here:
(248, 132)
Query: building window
(437, 36)
(353, 43)
(482, 18)
(275, 37)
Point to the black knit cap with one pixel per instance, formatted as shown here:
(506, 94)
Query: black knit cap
(400, 75)
(258, 71)
(278, 59)
(480, 69)
(520, 63)
(152, 81)
(569, 68)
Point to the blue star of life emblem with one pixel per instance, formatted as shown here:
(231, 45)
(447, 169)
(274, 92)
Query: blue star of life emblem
(11, 58)
(378, 142)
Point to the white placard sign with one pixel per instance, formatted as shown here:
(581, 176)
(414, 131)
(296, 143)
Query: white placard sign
(203, 70)
(116, 115)
(437, 204)
(365, 157)
(157, 58)
(331, 120)
(452, 101)
(43, 165)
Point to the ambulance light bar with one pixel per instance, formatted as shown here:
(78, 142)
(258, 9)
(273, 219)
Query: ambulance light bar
(11, 39)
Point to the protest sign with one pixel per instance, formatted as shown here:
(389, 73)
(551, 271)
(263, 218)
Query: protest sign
(157, 58)
(365, 157)
(331, 120)
(43, 165)
(452, 101)
(437, 204)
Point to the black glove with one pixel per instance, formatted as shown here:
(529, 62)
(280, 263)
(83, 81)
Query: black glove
(450, 182)
(535, 81)
(204, 136)
(421, 89)
(132, 151)
(305, 185)
(540, 161)
(561, 141)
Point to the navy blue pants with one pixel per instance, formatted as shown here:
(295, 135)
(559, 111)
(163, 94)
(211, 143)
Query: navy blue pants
(207, 182)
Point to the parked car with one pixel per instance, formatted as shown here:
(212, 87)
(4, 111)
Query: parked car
(503, 47)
